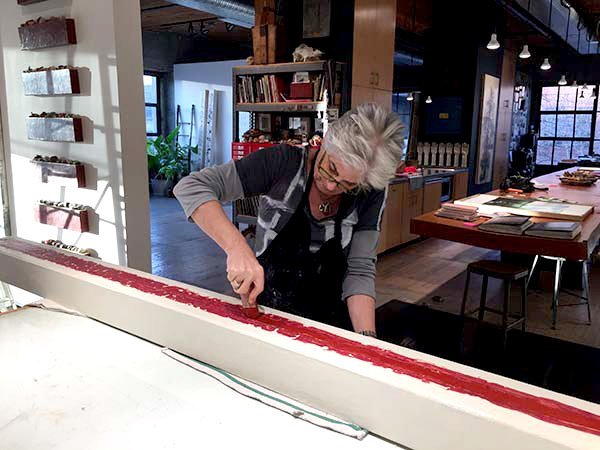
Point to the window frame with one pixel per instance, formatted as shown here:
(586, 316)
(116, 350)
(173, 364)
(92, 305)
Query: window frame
(156, 105)
(556, 112)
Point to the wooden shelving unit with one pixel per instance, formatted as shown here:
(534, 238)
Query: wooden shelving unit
(290, 108)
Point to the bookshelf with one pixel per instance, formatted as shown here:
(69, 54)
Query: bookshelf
(272, 97)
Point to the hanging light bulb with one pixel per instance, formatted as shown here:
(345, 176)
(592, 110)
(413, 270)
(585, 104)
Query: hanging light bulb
(428, 100)
(525, 52)
(584, 86)
(493, 44)
(593, 96)
(545, 65)
(581, 95)
(574, 83)
(410, 97)
(562, 81)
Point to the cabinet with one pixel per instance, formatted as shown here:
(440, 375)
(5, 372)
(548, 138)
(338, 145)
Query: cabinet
(460, 185)
(373, 51)
(432, 192)
(402, 204)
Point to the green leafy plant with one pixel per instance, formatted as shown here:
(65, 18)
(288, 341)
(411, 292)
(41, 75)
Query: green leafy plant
(167, 159)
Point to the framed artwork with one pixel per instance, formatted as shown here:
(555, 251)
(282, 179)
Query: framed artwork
(488, 118)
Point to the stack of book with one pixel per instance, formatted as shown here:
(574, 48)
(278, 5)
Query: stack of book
(507, 225)
(264, 89)
(458, 212)
(555, 230)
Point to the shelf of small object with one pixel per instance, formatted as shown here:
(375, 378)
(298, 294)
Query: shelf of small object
(47, 32)
(64, 172)
(55, 127)
(65, 215)
(61, 80)
(70, 248)
(290, 106)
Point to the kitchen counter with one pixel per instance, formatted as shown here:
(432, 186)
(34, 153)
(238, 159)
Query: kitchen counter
(419, 178)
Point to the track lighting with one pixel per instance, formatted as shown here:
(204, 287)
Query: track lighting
(545, 65)
(428, 100)
(562, 81)
(493, 44)
(525, 52)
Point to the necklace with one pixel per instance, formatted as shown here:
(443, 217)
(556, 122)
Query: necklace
(325, 207)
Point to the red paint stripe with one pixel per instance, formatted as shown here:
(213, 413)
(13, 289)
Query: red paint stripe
(545, 409)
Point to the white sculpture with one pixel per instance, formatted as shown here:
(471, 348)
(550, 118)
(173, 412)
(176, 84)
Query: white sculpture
(434, 154)
(305, 53)
(427, 154)
(442, 151)
(465, 153)
(456, 155)
(420, 154)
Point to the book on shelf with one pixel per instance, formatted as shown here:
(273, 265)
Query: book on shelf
(555, 230)
(271, 88)
(507, 225)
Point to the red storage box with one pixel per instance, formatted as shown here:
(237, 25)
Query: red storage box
(301, 90)
(259, 145)
(240, 149)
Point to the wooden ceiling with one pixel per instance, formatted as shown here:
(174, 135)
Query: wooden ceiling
(164, 16)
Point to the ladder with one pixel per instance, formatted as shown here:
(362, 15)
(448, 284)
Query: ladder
(191, 124)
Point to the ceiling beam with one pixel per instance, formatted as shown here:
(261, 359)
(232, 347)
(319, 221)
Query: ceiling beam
(226, 10)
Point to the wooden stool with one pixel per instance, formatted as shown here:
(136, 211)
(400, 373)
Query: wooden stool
(508, 273)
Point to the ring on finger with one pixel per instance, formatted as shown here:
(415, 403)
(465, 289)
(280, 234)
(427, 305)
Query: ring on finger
(236, 284)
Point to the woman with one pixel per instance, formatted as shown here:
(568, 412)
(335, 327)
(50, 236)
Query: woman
(318, 221)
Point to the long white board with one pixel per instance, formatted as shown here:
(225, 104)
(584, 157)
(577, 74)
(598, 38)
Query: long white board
(411, 398)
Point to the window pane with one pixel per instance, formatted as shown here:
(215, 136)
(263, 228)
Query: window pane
(549, 98)
(564, 127)
(547, 125)
(151, 120)
(597, 147)
(583, 125)
(562, 150)
(150, 89)
(580, 148)
(544, 152)
(566, 98)
(587, 102)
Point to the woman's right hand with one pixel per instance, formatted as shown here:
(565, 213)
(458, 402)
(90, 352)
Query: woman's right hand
(245, 273)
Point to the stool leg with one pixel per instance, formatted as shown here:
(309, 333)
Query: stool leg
(484, 285)
(465, 294)
(523, 303)
(505, 307)
(535, 261)
(556, 292)
(586, 289)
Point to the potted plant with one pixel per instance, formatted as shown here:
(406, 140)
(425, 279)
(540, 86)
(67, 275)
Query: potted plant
(167, 162)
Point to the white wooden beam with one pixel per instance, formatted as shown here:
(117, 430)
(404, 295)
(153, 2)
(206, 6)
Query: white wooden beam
(408, 397)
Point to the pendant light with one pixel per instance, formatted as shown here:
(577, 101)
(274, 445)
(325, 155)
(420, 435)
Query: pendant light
(562, 81)
(581, 95)
(428, 99)
(493, 44)
(545, 65)
(410, 97)
(584, 87)
(525, 52)
(593, 96)
(574, 83)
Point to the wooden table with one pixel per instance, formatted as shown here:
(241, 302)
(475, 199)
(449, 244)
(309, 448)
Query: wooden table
(580, 248)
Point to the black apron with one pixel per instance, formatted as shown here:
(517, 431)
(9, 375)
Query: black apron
(304, 283)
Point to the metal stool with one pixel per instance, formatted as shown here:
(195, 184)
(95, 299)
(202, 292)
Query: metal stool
(508, 273)
(557, 277)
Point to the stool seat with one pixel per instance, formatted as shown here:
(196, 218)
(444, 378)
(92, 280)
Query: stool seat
(497, 269)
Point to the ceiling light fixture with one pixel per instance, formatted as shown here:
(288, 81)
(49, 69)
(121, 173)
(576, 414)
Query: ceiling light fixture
(410, 97)
(428, 99)
(581, 95)
(593, 96)
(562, 81)
(585, 86)
(574, 83)
(525, 52)
(493, 44)
(545, 65)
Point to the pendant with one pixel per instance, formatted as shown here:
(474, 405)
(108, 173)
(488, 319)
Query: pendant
(324, 207)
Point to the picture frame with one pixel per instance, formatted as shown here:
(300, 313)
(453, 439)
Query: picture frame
(486, 135)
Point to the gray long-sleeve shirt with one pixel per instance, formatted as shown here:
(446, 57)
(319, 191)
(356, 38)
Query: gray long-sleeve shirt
(279, 175)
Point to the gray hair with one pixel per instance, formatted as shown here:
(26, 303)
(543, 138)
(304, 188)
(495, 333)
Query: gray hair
(370, 139)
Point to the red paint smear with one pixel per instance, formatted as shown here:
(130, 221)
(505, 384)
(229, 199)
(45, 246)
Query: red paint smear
(541, 408)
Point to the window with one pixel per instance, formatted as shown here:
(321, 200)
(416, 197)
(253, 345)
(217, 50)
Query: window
(568, 123)
(151, 95)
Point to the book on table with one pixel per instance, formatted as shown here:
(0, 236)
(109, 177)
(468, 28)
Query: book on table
(507, 225)
(555, 230)
(527, 206)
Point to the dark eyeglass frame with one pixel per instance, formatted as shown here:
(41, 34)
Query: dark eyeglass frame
(346, 188)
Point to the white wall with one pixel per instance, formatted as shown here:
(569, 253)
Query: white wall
(109, 54)
(190, 81)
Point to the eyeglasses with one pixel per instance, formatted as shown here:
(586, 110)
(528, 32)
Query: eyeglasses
(346, 187)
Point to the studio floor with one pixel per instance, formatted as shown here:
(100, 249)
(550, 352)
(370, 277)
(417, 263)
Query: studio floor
(429, 273)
